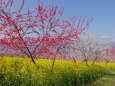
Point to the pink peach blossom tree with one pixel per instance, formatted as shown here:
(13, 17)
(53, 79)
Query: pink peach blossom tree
(110, 54)
(39, 32)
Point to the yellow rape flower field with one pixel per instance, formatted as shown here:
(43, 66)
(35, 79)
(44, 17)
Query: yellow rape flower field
(16, 71)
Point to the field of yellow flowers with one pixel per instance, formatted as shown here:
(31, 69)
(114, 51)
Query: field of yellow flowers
(22, 72)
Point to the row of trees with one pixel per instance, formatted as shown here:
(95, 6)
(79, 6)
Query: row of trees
(42, 33)
(92, 49)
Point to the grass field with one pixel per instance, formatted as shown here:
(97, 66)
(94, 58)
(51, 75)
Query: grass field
(106, 80)
(22, 72)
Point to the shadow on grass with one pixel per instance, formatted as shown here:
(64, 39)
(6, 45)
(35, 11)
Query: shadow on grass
(106, 80)
(111, 75)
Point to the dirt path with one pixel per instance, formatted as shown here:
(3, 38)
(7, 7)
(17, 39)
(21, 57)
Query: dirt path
(107, 80)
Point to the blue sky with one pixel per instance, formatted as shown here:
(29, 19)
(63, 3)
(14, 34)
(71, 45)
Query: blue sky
(103, 12)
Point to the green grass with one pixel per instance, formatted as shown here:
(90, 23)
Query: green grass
(22, 72)
(107, 80)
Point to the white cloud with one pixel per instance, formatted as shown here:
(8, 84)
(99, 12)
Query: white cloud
(104, 37)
